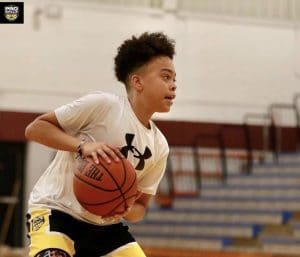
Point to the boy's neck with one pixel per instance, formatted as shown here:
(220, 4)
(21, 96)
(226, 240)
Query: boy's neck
(140, 112)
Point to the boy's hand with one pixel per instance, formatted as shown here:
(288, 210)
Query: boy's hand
(117, 217)
(126, 212)
(96, 149)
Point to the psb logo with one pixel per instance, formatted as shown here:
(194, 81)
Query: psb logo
(11, 12)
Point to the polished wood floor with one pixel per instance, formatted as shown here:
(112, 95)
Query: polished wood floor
(160, 252)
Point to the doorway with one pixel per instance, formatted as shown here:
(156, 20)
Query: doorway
(11, 193)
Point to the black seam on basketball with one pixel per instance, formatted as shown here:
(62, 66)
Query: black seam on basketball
(107, 190)
(119, 204)
(98, 203)
(125, 200)
(92, 185)
(125, 177)
(133, 182)
(111, 200)
(107, 171)
(122, 194)
(116, 183)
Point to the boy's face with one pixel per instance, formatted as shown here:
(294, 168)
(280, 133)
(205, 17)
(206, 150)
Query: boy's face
(158, 87)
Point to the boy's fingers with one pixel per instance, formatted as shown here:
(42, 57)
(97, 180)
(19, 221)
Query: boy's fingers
(113, 154)
(103, 155)
(119, 153)
(95, 157)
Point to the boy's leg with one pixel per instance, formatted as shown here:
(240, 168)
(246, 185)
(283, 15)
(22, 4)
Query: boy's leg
(128, 250)
(43, 241)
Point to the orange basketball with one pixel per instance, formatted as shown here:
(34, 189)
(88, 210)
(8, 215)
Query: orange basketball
(105, 189)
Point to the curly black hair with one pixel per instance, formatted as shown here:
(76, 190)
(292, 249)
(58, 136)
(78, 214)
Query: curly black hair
(137, 51)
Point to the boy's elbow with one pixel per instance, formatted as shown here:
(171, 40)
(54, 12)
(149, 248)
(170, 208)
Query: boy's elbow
(29, 131)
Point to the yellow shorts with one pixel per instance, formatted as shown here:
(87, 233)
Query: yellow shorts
(54, 233)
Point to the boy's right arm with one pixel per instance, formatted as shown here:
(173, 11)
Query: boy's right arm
(46, 130)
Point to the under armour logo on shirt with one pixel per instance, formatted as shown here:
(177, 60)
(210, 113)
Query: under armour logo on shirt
(136, 153)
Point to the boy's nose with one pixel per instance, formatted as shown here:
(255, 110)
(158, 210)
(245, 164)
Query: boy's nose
(173, 87)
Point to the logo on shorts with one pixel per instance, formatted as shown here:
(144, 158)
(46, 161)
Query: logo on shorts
(37, 223)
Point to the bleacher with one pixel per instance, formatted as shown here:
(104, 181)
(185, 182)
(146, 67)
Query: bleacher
(253, 213)
(230, 200)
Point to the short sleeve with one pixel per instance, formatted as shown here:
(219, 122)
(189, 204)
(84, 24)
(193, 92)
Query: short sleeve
(77, 115)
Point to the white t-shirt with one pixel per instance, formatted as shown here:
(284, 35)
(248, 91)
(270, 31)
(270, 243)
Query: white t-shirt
(107, 118)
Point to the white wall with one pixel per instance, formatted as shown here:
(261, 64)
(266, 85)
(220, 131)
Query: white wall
(224, 69)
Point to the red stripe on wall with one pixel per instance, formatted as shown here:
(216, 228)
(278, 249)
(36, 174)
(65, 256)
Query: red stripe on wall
(178, 133)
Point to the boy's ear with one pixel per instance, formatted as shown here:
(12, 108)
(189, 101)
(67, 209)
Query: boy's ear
(136, 82)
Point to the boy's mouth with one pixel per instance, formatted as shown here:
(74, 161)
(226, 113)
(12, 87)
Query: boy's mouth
(170, 97)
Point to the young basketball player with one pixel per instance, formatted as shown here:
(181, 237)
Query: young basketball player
(103, 125)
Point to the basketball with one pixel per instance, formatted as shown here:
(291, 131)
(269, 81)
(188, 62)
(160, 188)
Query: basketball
(105, 189)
